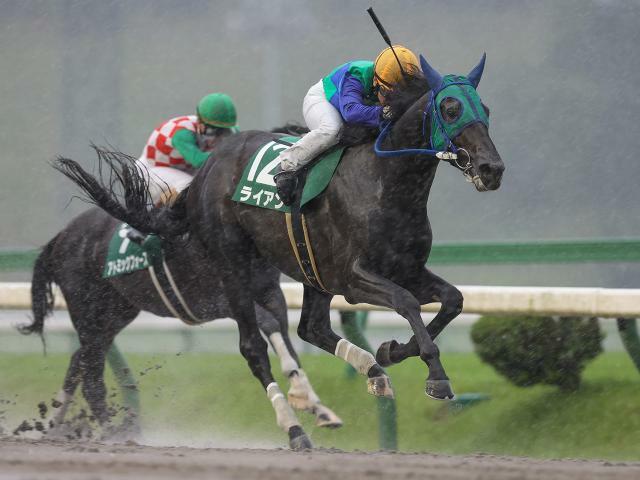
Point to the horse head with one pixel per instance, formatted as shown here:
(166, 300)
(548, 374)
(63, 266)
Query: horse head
(453, 119)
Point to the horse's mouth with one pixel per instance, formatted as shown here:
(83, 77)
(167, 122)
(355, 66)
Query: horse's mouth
(486, 180)
(477, 182)
(472, 177)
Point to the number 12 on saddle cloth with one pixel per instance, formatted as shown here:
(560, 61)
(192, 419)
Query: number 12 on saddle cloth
(257, 188)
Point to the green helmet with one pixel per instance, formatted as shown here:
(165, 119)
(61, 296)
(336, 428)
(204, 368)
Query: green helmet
(217, 110)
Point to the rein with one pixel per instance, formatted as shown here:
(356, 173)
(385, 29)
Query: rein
(451, 157)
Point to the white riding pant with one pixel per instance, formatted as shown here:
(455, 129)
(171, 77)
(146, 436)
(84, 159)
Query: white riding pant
(162, 180)
(325, 123)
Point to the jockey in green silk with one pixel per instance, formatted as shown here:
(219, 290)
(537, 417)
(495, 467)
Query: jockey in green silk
(180, 145)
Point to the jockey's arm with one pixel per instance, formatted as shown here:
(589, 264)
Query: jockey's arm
(186, 143)
(352, 106)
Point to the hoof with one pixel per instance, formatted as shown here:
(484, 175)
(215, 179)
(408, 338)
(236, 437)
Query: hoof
(439, 390)
(298, 440)
(383, 355)
(326, 418)
(380, 386)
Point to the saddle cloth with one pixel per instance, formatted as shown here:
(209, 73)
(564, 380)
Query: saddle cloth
(125, 256)
(257, 187)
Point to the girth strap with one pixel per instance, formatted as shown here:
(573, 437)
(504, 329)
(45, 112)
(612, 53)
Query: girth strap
(169, 293)
(299, 236)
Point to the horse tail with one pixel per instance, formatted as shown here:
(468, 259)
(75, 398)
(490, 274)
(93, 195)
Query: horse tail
(41, 292)
(124, 194)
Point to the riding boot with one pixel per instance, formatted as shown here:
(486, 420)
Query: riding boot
(151, 244)
(286, 182)
(136, 236)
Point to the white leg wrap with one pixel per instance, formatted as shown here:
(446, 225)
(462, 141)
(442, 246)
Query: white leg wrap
(285, 417)
(287, 362)
(358, 358)
(301, 389)
(58, 414)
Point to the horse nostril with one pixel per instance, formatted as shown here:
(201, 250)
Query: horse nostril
(485, 170)
(491, 175)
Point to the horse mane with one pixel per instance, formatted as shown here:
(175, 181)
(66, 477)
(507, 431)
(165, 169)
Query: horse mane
(290, 128)
(349, 136)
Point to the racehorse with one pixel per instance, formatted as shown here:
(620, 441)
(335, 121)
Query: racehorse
(369, 230)
(101, 307)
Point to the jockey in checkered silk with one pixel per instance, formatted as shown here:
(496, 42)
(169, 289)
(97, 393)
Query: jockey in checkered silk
(352, 93)
(180, 145)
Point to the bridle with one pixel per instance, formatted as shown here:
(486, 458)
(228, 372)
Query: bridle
(450, 153)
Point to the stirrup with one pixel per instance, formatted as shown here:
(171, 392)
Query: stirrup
(286, 182)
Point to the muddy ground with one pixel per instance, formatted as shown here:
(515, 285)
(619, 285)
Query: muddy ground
(30, 459)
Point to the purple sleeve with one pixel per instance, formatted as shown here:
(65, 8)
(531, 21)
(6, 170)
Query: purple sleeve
(352, 107)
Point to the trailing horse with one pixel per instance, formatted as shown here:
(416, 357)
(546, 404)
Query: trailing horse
(101, 307)
(369, 231)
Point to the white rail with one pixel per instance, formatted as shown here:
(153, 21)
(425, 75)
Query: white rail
(596, 302)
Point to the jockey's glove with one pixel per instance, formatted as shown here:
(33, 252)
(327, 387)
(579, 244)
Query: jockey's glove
(387, 113)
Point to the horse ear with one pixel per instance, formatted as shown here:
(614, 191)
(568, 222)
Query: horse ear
(475, 74)
(434, 79)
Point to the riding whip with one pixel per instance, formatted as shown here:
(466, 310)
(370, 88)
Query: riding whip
(383, 32)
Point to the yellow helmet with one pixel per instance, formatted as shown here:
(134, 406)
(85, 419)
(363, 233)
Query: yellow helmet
(386, 71)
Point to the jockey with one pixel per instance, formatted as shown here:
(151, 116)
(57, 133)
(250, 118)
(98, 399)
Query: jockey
(182, 144)
(352, 93)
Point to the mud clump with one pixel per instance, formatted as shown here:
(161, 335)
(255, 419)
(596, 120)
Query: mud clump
(42, 410)
(23, 427)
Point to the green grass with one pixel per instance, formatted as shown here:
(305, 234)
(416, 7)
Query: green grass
(199, 397)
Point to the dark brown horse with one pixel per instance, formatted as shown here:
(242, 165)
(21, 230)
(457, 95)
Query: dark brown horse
(369, 230)
(101, 307)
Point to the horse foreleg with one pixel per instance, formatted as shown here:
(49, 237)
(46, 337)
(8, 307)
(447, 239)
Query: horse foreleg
(301, 395)
(315, 328)
(430, 289)
(373, 288)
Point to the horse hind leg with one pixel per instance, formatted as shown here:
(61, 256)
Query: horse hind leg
(237, 254)
(98, 314)
(254, 350)
(302, 397)
(92, 360)
(60, 405)
(301, 394)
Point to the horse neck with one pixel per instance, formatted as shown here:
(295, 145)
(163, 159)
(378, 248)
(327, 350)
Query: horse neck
(409, 176)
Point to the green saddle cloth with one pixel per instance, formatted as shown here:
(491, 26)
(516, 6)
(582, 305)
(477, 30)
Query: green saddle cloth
(257, 188)
(125, 256)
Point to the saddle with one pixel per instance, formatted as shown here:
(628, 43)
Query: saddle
(287, 181)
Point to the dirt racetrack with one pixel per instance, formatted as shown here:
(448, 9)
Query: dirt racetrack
(28, 459)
